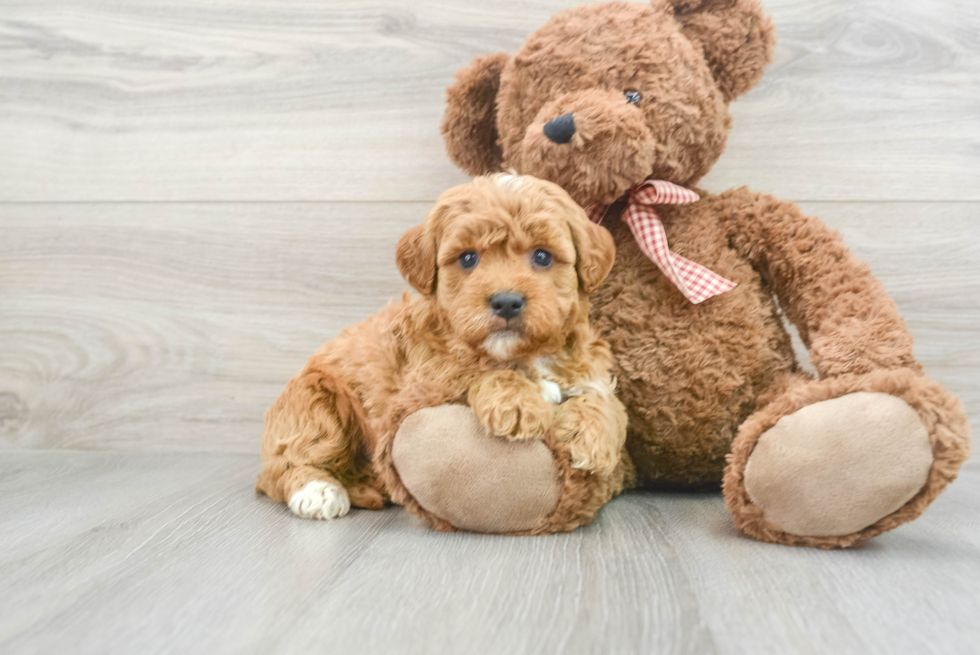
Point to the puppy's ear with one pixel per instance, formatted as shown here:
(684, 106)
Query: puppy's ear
(469, 125)
(416, 259)
(595, 248)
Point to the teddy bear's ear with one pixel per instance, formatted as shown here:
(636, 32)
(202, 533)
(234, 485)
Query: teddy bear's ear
(469, 125)
(416, 259)
(737, 38)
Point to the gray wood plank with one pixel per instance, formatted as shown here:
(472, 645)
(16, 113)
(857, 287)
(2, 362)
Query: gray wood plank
(120, 553)
(302, 100)
(174, 326)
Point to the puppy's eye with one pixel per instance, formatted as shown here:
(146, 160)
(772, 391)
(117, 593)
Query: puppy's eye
(633, 96)
(541, 258)
(468, 260)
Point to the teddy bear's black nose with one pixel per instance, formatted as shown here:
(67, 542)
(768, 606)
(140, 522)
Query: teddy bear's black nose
(507, 305)
(561, 129)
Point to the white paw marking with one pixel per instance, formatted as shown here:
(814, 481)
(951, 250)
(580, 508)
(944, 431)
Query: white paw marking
(320, 500)
(550, 391)
(603, 388)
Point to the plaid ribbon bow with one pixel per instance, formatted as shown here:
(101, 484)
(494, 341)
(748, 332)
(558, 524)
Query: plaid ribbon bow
(696, 282)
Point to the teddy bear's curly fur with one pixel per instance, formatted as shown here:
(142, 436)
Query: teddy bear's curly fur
(825, 462)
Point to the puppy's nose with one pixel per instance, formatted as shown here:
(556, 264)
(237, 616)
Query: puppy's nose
(561, 129)
(507, 305)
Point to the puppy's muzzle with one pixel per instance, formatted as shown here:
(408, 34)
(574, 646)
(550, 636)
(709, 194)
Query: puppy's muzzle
(507, 305)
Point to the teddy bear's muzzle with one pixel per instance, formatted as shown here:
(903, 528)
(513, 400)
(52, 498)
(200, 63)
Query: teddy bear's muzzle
(591, 142)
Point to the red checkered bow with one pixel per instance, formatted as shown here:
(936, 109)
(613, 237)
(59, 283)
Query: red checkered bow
(696, 282)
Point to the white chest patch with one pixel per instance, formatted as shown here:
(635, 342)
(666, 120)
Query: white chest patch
(501, 345)
(550, 391)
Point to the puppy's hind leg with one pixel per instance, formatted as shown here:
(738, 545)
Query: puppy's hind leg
(312, 446)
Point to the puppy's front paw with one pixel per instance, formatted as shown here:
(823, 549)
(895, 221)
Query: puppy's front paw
(597, 456)
(511, 405)
(593, 430)
(518, 418)
(320, 499)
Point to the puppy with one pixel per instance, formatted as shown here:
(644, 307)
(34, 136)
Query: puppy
(503, 266)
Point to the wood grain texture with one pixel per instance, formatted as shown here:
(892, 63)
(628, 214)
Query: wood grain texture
(121, 553)
(309, 100)
(276, 149)
(174, 326)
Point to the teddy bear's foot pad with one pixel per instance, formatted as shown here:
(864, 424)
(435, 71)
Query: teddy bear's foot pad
(837, 466)
(476, 481)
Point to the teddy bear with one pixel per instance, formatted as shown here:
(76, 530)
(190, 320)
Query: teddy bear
(625, 105)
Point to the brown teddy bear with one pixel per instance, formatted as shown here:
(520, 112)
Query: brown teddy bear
(625, 105)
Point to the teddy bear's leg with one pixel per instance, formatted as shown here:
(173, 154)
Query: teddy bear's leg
(445, 467)
(455, 469)
(868, 446)
(832, 463)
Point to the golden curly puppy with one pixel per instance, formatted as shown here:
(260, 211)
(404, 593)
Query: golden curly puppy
(504, 266)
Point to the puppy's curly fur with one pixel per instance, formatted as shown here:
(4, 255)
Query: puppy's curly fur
(448, 345)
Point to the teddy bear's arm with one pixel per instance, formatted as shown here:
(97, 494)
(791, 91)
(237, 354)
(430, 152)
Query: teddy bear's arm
(844, 317)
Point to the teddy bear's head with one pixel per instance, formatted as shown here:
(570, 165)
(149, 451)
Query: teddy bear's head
(606, 95)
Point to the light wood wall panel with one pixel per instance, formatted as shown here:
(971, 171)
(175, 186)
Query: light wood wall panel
(174, 326)
(341, 100)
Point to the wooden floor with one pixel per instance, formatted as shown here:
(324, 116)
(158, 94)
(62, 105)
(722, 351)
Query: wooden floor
(195, 195)
(109, 552)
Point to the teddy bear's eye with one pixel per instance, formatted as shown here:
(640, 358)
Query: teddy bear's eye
(633, 97)
(468, 260)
